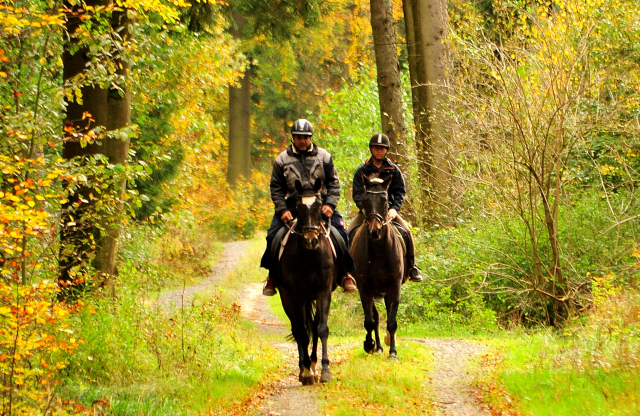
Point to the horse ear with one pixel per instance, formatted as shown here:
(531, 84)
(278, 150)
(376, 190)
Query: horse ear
(298, 186)
(317, 185)
(365, 180)
(387, 181)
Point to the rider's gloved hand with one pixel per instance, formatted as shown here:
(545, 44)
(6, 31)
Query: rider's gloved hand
(392, 214)
(327, 211)
(286, 216)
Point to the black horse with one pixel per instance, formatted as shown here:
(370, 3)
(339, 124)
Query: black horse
(378, 253)
(308, 269)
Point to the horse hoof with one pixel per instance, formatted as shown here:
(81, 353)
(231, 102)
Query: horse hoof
(326, 377)
(308, 381)
(369, 346)
(392, 357)
(379, 350)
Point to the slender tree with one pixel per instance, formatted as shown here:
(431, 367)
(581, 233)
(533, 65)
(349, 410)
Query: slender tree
(94, 112)
(239, 156)
(389, 85)
(429, 62)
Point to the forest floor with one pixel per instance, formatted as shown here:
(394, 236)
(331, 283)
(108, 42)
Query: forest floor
(450, 380)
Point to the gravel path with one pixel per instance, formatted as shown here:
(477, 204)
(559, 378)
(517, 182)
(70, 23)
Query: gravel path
(451, 380)
(227, 263)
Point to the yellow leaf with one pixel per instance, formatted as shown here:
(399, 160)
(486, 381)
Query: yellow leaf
(63, 201)
(39, 197)
(31, 204)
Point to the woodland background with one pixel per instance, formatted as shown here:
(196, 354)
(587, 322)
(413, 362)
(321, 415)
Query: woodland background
(137, 135)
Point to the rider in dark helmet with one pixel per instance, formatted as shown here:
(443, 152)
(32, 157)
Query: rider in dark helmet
(304, 158)
(380, 164)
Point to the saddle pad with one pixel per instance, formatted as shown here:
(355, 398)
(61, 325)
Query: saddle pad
(286, 238)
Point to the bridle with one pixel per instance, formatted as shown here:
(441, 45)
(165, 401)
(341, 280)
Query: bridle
(375, 215)
(314, 229)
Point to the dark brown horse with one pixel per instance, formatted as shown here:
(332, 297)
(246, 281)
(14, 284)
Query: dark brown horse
(379, 256)
(307, 281)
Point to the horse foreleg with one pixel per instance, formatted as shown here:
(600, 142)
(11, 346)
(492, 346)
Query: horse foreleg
(296, 314)
(376, 329)
(392, 300)
(322, 314)
(370, 323)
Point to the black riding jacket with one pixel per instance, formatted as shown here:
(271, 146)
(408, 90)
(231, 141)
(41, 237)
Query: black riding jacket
(396, 188)
(293, 164)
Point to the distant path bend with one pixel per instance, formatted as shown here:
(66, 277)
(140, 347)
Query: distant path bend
(226, 264)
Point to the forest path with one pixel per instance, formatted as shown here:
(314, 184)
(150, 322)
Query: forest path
(289, 397)
(228, 261)
(450, 381)
(451, 378)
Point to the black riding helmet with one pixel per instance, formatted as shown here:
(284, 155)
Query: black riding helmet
(302, 127)
(379, 139)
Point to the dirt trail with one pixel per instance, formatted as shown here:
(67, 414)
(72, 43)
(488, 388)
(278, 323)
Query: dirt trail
(226, 264)
(290, 398)
(451, 379)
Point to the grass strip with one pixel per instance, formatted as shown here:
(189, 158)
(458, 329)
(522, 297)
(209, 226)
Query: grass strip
(371, 384)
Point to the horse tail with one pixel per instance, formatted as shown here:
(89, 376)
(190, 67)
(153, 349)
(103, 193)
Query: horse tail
(310, 316)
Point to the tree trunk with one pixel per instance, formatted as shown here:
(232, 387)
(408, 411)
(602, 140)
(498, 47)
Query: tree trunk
(389, 85)
(407, 7)
(239, 159)
(79, 235)
(431, 28)
(239, 156)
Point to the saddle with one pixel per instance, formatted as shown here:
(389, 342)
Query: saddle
(282, 237)
(401, 232)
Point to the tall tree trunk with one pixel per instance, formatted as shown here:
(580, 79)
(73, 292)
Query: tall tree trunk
(389, 85)
(407, 7)
(239, 156)
(79, 235)
(431, 29)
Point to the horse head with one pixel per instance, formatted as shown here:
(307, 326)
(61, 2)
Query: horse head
(309, 206)
(375, 203)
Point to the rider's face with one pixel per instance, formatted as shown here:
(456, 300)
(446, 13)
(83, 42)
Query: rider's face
(379, 152)
(301, 142)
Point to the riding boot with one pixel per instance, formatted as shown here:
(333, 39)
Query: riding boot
(269, 288)
(414, 271)
(349, 284)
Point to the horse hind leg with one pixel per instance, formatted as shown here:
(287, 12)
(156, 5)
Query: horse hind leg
(376, 318)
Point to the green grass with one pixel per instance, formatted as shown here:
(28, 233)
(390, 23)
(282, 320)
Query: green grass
(546, 374)
(370, 384)
(140, 360)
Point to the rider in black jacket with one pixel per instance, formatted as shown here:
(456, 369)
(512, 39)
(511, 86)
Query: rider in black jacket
(304, 160)
(380, 164)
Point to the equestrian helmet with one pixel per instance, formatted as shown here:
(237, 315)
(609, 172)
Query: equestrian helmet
(379, 139)
(302, 127)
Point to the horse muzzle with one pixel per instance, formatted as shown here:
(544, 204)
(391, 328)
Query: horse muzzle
(311, 237)
(374, 223)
